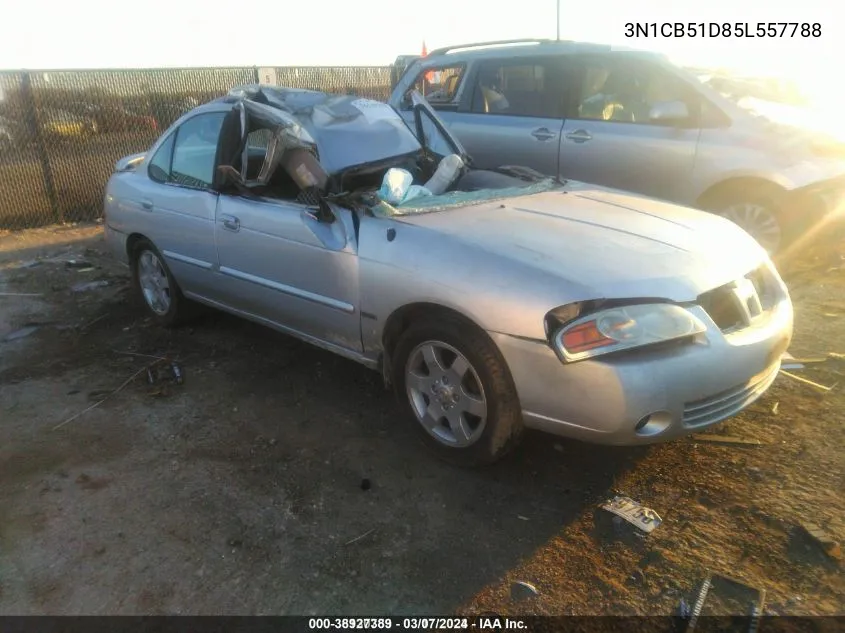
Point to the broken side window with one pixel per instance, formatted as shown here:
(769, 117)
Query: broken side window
(440, 85)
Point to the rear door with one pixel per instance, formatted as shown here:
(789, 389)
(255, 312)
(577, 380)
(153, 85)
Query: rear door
(512, 112)
(610, 137)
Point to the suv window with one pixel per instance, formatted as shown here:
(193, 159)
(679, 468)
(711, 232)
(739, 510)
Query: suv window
(519, 88)
(195, 150)
(625, 90)
(439, 85)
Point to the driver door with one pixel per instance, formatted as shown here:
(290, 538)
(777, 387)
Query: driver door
(289, 264)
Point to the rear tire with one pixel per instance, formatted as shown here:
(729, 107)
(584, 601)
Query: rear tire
(154, 286)
(456, 389)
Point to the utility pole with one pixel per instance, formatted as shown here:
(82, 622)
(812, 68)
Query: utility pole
(558, 19)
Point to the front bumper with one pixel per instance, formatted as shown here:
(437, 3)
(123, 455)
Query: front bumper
(669, 392)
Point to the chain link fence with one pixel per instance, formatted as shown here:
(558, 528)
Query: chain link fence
(61, 132)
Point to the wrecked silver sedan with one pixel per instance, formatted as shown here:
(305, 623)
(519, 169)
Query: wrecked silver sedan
(491, 301)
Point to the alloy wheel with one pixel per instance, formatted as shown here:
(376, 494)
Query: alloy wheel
(446, 394)
(154, 283)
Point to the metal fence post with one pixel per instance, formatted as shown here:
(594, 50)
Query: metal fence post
(31, 111)
(256, 75)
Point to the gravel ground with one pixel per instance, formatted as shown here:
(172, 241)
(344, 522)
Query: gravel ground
(280, 479)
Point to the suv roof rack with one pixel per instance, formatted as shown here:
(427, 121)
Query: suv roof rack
(533, 40)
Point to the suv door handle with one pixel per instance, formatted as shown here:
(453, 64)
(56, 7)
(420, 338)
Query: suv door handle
(543, 134)
(147, 204)
(231, 223)
(579, 136)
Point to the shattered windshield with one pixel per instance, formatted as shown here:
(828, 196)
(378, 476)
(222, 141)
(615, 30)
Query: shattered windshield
(456, 199)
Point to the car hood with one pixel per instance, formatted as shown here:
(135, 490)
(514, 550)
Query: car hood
(610, 244)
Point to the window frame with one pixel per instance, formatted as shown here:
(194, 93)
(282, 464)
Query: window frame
(450, 106)
(557, 69)
(161, 145)
(175, 136)
(648, 66)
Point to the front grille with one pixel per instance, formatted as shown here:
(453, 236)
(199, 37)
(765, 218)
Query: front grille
(721, 303)
(727, 403)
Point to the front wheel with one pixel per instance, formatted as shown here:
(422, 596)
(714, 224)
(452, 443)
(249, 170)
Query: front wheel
(457, 391)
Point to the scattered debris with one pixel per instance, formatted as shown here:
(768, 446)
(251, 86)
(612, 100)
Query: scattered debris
(366, 484)
(788, 361)
(684, 610)
(637, 577)
(128, 353)
(807, 382)
(824, 540)
(104, 398)
(522, 518)
(93, 321)
(78, 264)
(22, 332)
(699, 602)
(724, 439)
(358, 538)
(638, 515)
(90, 285)
(176, 370)
(836, 356)
(811, 360)
(775, 407)
(521, 590)
(32, 263)
(723, 596)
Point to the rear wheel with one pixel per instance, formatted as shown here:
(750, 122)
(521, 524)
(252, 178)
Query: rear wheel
(458, 392)
(155, 287)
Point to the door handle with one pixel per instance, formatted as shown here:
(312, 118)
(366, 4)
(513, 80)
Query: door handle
(147, 204)
(579, 136)
(543, 134)
(230, 222)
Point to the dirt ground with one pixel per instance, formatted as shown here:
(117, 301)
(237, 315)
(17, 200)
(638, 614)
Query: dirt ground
(280, 479)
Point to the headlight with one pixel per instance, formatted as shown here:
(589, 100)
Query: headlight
(623, 328)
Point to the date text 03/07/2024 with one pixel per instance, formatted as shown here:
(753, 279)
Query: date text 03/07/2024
(480, 623)
(749, 30)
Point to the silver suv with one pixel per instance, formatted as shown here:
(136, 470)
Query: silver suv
(634, 121)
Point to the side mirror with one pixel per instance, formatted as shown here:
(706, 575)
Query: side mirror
(668, 111)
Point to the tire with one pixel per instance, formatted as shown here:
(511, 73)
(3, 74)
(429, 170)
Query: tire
(755, 209)
(481, 418)
(170, 312)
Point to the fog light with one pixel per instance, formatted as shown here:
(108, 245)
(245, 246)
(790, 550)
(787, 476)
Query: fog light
(653, 424)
